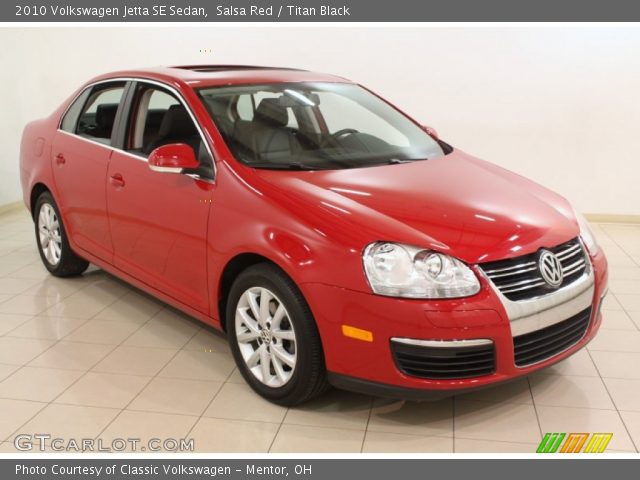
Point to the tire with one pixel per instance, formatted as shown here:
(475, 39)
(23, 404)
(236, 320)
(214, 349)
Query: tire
(292, 335)
(51, 237)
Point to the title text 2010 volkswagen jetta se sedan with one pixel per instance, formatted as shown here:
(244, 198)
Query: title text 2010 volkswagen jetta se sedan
(334, 239)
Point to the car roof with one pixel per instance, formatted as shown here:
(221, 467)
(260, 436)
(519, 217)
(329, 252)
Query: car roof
(216, 75)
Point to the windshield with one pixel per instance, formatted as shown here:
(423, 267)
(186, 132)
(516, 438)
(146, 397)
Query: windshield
(314, 126)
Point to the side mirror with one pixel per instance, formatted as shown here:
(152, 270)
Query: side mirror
(173, 158)
(430, 131)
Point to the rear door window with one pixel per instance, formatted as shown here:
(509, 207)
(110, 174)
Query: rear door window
(98, 115)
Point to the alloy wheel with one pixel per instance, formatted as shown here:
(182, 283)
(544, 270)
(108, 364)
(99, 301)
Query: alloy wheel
(49, 233)
(266, 337)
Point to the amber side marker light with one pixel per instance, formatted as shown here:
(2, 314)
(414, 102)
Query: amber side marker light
(357, 333)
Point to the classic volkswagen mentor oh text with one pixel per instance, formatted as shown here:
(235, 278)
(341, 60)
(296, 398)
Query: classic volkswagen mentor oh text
(333, 238)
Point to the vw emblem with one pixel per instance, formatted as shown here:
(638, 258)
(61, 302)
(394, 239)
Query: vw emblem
(550, 268)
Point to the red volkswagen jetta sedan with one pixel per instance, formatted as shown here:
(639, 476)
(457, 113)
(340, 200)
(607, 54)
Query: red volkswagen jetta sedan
(333, 238)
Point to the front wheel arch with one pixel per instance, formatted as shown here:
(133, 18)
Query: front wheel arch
(309, 378)
(232, 269)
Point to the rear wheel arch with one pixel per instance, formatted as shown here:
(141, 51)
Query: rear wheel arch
(51, 238)
(37, 190)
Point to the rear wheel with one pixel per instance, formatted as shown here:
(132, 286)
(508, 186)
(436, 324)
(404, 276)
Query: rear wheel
(274, 338)
(51, 237)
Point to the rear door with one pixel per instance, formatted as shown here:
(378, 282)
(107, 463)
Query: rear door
(82, 148)
(159, 220)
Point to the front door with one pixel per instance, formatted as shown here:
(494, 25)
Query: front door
(159, 220)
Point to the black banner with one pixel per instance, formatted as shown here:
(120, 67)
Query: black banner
(319, 11)
(318, 469)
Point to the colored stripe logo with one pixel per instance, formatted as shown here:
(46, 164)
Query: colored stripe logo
(574, 443)
(598, 442)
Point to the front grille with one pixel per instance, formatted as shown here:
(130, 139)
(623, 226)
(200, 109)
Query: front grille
(449, 362)
(520, 279)
(537, 346)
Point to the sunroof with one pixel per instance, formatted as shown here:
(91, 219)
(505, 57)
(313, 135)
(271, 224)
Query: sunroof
(226, 68)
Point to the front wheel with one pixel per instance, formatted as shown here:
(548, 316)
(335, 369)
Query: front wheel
(51, 237)
(274, 338)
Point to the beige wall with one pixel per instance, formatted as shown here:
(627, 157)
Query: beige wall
(559, 105)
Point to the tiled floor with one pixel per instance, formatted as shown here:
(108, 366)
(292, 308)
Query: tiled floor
(91, 357)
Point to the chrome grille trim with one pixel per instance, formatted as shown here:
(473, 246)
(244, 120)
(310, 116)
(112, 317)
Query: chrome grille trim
(526, 287)
(521, 282)
(540, 311)
(570, 252)
(489, 272)
(473, 342)
(515, 272)
(575, 266)
(519, 278)
(535, 313)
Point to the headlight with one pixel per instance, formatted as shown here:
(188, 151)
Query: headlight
(399, 270)
(586, 234)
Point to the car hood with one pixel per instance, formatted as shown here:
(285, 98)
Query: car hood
(456, 204)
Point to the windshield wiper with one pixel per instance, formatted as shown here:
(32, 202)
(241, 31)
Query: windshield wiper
(395, 161)
(282, 166)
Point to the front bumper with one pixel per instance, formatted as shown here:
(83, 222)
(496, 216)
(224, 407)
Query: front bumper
(370, 367)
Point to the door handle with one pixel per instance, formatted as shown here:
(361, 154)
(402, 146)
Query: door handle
(117, 180)
(60, 160)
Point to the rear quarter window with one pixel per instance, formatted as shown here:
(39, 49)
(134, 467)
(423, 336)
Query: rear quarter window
(70, 118)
